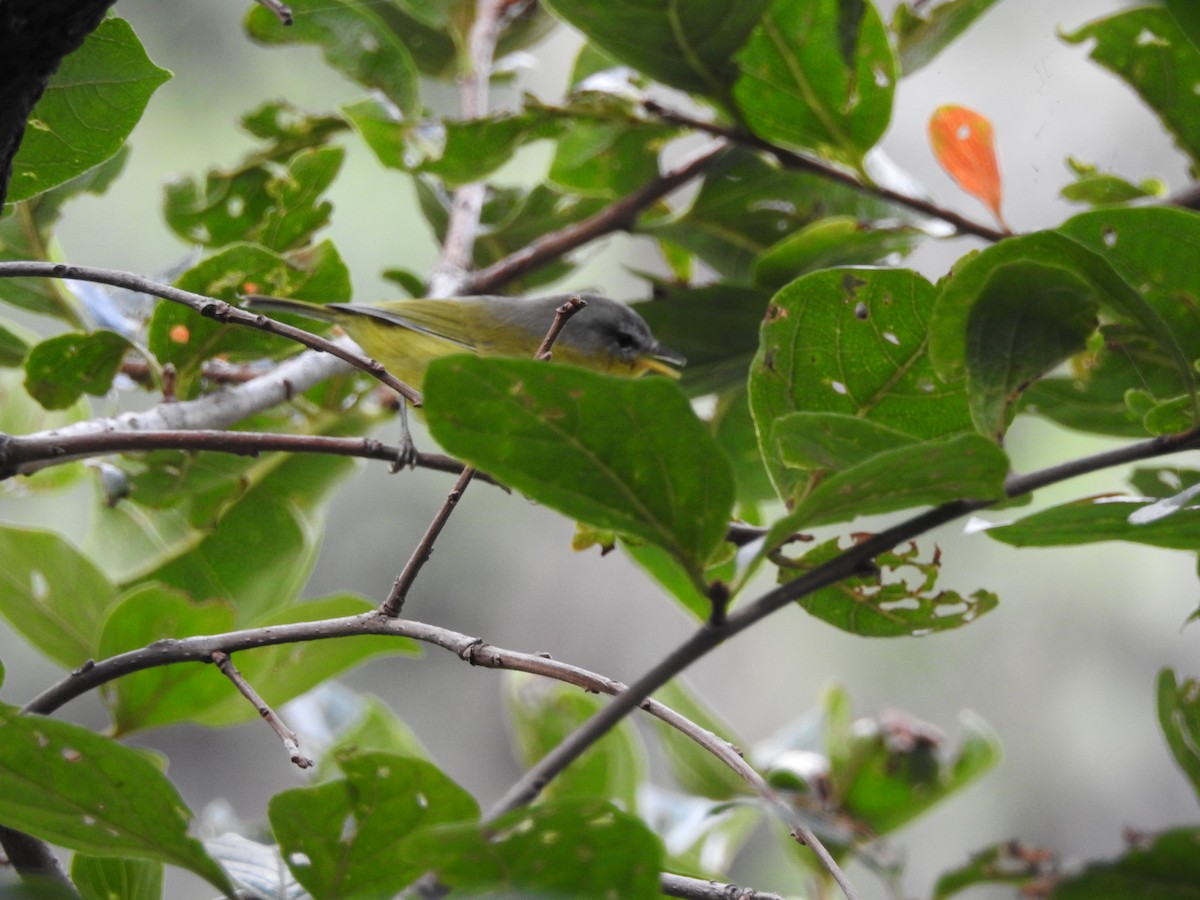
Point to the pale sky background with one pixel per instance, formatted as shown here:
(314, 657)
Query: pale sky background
(1063, 670)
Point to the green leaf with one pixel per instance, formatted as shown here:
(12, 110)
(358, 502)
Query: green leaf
(62, 369)
(21, 414)
(26, 234)
(1026, 319)
(628, 456)
(1098, 188)
(285, 671)
(1179, 718)
(683, 44)
(1187, 17)
(1164, 866)
(13, 348)
(677, 580)
(256, 550)
(1008, 863)
(797, 90)
(116, 879)
(354, 39)
(835, 241)
(72, 787)
(588, 850)
(695, 769)
(263, 202)
(1152, 248)
(163, 694)
(88, 110)
(377, 728)
(919, 38)
(833, 441)
(851, 342)
(185, 339)
(1147, 48)
(52, 594)
(1104, 518)
(965, 467)
(747, 205)
(896, 780)
(541, 713)
(346, 838)
(898, 601)
(607, 157)
(1072, 273)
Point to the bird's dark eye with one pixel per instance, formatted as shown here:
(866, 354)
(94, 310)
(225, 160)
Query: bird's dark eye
(625, 340)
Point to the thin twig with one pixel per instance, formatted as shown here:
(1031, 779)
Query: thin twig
(394, 604)
(620, 215)
(210, 308)
(26, 454)
(291, 743)
(282, 12)
(792, 160)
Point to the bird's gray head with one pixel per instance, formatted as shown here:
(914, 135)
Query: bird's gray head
(612, 328)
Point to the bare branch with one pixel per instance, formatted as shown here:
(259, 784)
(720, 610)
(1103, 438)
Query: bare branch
(291, 743)
(458, 249)
(791, 160)
(618, 216)
(696, 889)
(26, 454)
(210, 308)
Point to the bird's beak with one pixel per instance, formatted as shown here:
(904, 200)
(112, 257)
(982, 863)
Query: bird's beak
(662, 360)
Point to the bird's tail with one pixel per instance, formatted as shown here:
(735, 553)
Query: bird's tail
(263, 303)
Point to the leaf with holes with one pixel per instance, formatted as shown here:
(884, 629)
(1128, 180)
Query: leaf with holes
(628, 456)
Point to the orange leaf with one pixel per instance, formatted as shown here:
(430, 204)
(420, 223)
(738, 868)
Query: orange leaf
(962, 142)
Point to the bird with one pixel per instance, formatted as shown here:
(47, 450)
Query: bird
(407, 335)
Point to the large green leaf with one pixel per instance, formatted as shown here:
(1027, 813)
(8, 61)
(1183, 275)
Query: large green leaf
(1164, 866)
(797, 87)
(88, 109)
(1147, 47)
(964, 467)
(52, 594)
(162, 694)
(993, 298)
(583, 849)
(542, 713)
(628, 456)
(26, 234)
(72, 787)
(98, 878)
(851, 342)
(1104, 518)
(697, 771)
(347, 838)
(682, 43)
(747, 205)
(354, 38)
(920, 36)
(182, 337)
(273, 202)
(62, 369)
(1179, 718)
